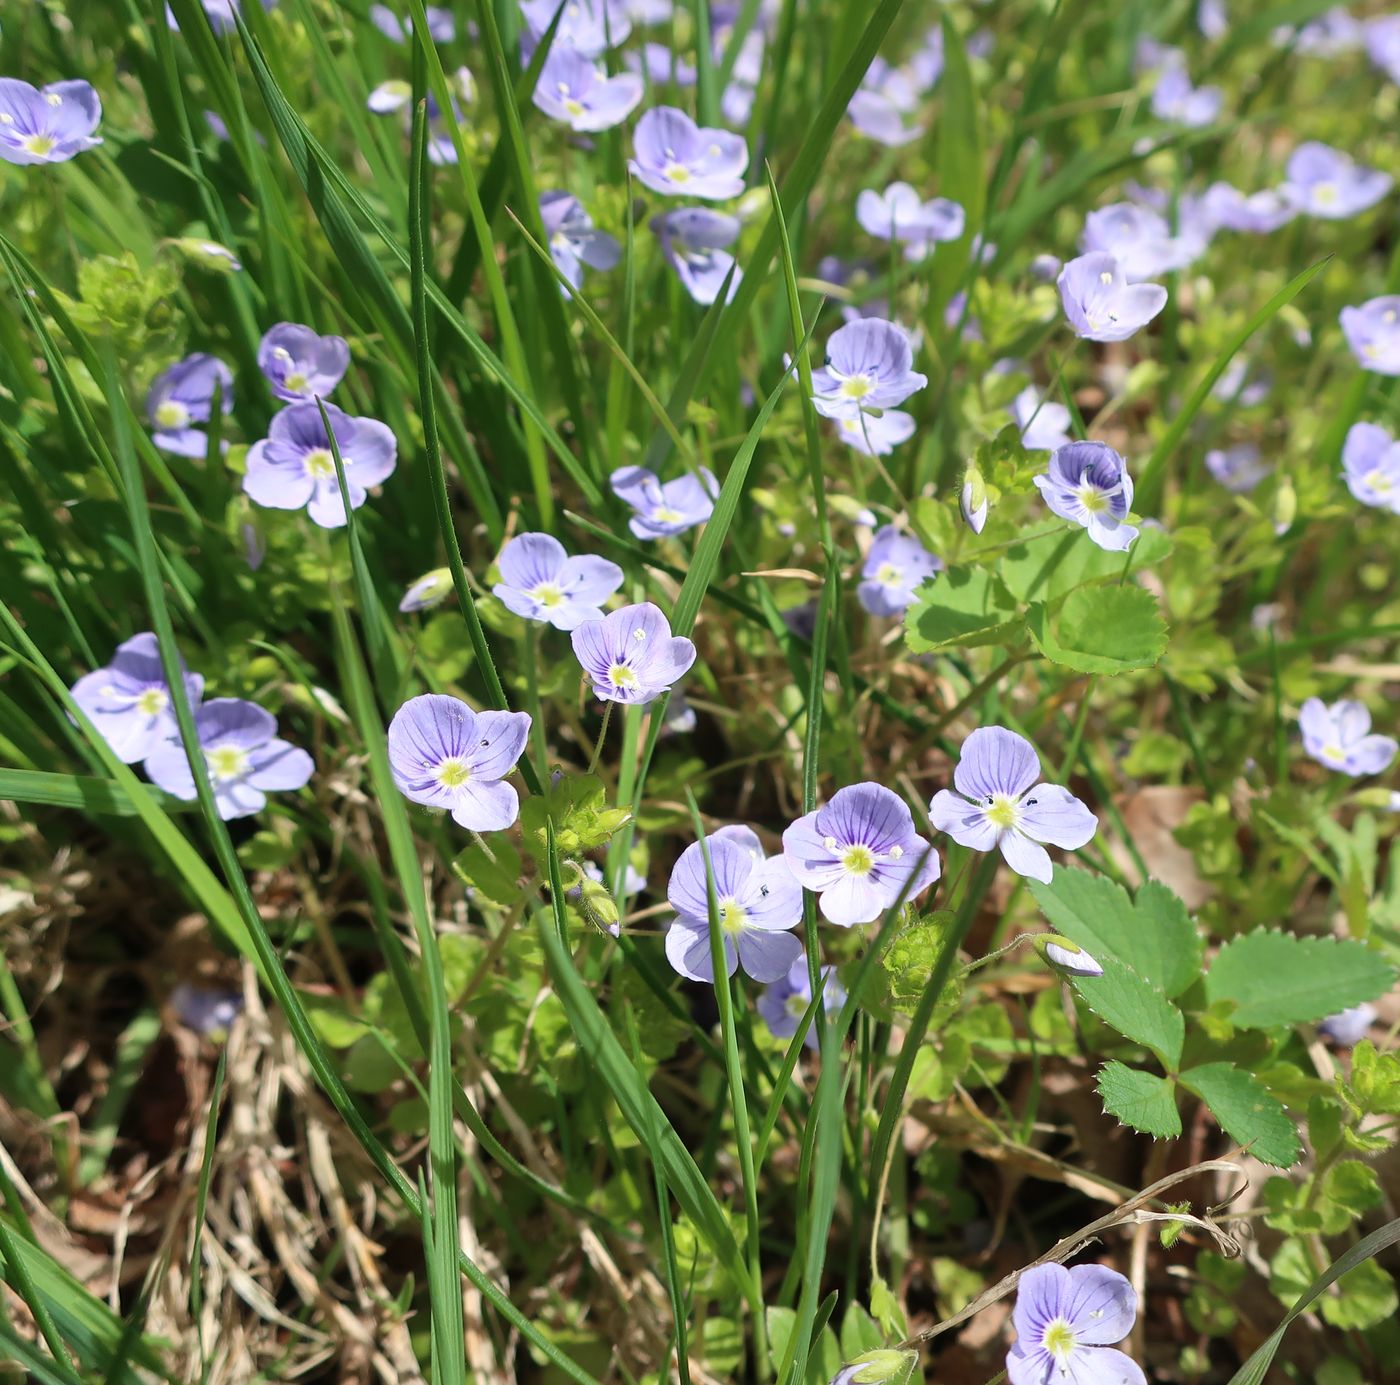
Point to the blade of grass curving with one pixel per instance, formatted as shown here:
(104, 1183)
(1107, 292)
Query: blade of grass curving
(426, 61)
(270, 962)
(201, 1203)
(92, 795)
(17, 1276)
(639, 1108)
(135, 1042)
(497, 175)
(802, 356)
(1256, 1369)
(961, 175)
(448, 1327)
(892, 1112)
(738, 1099)
(606, 337)
(442, 506)
(549, 305)
(674, 1278)
(1149, 490)
(83, 1322)
(36, 1365)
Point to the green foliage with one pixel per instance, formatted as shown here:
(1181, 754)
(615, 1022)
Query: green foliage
(1151, 932)
(961, 608)
(1246, 1112)
(583, 821)
(1100, 630)
(1140, 1099)
(1276, 978)
(1134, 1007)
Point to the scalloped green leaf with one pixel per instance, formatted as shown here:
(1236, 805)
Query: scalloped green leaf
(1276, 978)
(1108, 630)
(1152, 932)
(1139, 1011)
(1246, 1112)
(1048, 571)
(961, 608)
(1140, 1099)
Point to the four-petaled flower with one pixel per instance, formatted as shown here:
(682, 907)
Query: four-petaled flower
(300, 363)
(693, 241)
(894, 568)
(756, 902)
(899, 213)
(1088, 482)
(860, 854)
(1004, 804)
(1100, 303)
(1371, 466)
(631, 655)
(129, 700)
(783, 1004)
(1340, 737)
(876, 435)
(182, 396)
(573, 239)
(47, 125)
(664, 508)
(445, 755)
(674, 156)
(1138, 238)
(243, 754)
(589, 26)
(293, 466)
(1065, 1322)
(1322, 181)
(1044, 424)
(573, 89)
(540, 581)
(1373, 333)
(869, 365)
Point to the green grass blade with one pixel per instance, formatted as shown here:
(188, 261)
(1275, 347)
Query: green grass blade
(1255, 1371)
(639, 1108)
(1149, 490)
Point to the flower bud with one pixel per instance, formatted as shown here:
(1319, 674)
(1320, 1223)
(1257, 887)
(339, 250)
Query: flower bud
(1285, 506)
(973, 500)
(1065, 957)
(876, 1367)
(429, 590)
(596, 904)
(208, 254)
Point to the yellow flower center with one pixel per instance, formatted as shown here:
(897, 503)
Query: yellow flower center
(171, 414)
(1058, 1339)
(296, 380)
(1335, 753)
(1002, 811)
(152, 702)
(227, 761)
(733, 917)
(796, 1005)
(623, 677)
(38, 144)
(1378, 480)
(320, 464)
(548, 595)
(666, 515)
(452, 774)
(887, 575)
(1093, 499)
(677, 173)
(858, 860)
(857, 387)
(1325, 193)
